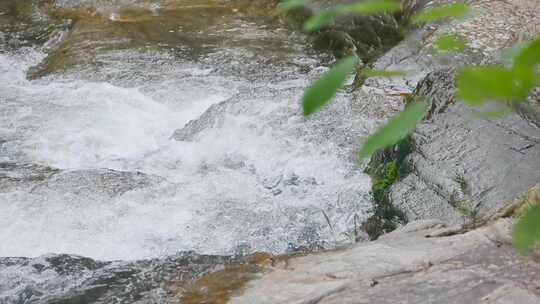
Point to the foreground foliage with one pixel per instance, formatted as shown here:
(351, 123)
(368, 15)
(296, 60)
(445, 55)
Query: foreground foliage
(476, 86)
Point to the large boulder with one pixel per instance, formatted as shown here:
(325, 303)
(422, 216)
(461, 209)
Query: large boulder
(460, 157)
(368, 36)
(462, 165)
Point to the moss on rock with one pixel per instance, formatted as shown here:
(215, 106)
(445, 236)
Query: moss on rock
(386, 168)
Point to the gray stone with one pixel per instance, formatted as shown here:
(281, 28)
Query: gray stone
(494, 159)
(406, 267)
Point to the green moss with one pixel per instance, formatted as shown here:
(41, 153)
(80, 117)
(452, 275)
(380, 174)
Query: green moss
(397, 153)
(381, 186)
(386, 168)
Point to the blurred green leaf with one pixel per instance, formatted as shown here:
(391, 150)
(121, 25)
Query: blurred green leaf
(324, 89)
(510, 54)
(397, 128)
(450, 43)
(441, 12)
(382, 73)
(525, 79)
(362, 8)
(494, 83)
(292, 4)
(323, 18)
(526, 232)
(529, 56)
(373, 7)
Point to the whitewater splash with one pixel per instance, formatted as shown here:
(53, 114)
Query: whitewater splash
(147, 154)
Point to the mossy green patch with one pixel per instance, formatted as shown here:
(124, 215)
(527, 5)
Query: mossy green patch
(386, 168)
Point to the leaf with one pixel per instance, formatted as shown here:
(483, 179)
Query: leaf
(397, 128)
(324, 18)
(529, 56)
(526, 232)
(477, 85)
(292, 4)
(525, 79)
(324, 89)
(373, 7)
(449, 43)
(510, 54)
(441, 12)
(382, 73)
(363, 8)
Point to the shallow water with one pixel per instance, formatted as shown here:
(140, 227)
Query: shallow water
(101, 96)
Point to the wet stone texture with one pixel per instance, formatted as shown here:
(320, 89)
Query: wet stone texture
(63, 279)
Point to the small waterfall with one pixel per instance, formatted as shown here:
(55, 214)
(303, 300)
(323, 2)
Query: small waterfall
(146, 138)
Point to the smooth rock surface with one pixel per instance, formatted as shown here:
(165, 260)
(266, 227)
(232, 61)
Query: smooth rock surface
(406, 267)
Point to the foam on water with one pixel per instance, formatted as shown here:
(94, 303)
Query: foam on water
(254, 181)
(80, 124)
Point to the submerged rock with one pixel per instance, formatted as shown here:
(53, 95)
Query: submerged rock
(16, 175)
(88, 182)
(38, 179)
(63, 279)
(211, 118)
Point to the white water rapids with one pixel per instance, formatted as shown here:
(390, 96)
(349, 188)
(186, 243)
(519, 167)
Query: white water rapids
(256, 176)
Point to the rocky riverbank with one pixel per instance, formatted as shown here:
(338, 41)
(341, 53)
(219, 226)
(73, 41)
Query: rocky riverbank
(457, 156)
(456, 162)
(458, 174)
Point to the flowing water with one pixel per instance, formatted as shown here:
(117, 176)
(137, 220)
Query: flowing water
(137, 129)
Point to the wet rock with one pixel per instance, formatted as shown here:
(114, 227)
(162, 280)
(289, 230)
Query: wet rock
(272, 181)
(366, 36)
(211, 118)
(97, 181)
(16, 175)
(23, 24)
(218, 287)
(199, 31)
(74, 279)
(340, 42)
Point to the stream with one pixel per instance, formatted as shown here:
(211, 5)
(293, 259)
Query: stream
(140, 129)
(145, 143)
